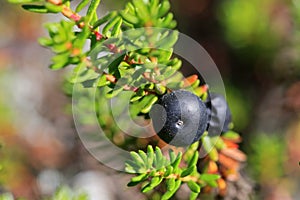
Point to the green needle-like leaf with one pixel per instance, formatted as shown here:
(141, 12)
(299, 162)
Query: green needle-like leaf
(132, 19)
(136, 158)
(177, 161)
(155, 181)
(137, 179)
(194, 159)
(194, 186)
(159, 158)
(92, 9)
(144, 156)
(35, 8)
(189, 171)
(193, 196)
(167, 195)
(164, 8)
(104, 19)
(210, 179)
(81, 5)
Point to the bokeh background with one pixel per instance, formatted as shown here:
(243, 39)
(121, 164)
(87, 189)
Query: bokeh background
(256, 46)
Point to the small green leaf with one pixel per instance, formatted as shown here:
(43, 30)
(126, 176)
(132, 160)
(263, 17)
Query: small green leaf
(153, 8)
(35, 8)
(136, 158)
(174, 85)
(169, 41)
(169, 170)
(207, 177)
(177, 64)
(134, 167)
(91, 10)
(141, 10)
(155, 181)
(172, 156)
(45, 41)
(170, 184)
(207, 143)
(114, 92)
(159, 158)
(137, 179)
(129, 17)
(81, 5)
(83, 74)
(60, 61)
(110, 24)
(167, 195)
(231, 135)
(137, 97)
(218, 142)
(59, 48)
(52, 28)
(143, 104)
(167, 21)
(189, 171)
(150, 154)
(213, 154)
(144, 156)
(194, 159)
(114, 65)
(194, 146)
(193, 196)
(164, 8)
(129, 168)
(210, 179)
(177, 161)
(117, 28)
(148, 106)
(104, 19)
(194, 186)
(195, 84)
(102, 81)
(53, 8)
(169, 72)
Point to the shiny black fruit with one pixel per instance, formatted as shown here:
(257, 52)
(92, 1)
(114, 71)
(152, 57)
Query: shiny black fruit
(179, 118)
(219, 114)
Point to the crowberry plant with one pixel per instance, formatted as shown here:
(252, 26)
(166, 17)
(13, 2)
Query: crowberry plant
(132, 53)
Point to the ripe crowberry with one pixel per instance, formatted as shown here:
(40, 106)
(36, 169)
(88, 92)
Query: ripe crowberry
(179, 118)
(219, 114)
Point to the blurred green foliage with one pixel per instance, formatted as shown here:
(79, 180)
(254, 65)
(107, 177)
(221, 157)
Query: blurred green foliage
(240, 106)
(267, 155)
(62, 193)
(249, 23)
(6, 113)
(65, 193)
(6, 196)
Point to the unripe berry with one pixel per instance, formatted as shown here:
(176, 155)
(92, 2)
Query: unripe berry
(179, 118)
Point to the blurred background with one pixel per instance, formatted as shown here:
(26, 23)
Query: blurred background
(256, 46)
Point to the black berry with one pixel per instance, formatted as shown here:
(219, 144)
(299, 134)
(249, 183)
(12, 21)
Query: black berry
(179, 118)
(219, 114)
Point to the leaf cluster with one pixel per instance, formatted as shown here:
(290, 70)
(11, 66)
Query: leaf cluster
(153, 170)
(134, 56)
